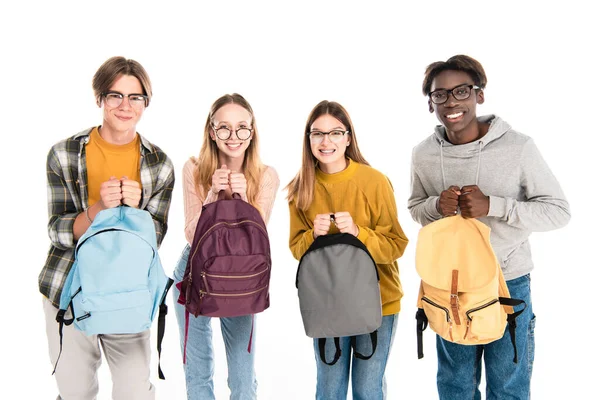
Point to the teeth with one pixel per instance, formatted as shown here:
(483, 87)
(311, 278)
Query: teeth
(452, 116)
(327, 151)
(234, 146)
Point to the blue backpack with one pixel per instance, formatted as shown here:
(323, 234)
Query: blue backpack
(117, 284)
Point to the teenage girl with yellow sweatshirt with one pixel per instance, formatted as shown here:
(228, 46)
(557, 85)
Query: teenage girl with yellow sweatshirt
(336, 179)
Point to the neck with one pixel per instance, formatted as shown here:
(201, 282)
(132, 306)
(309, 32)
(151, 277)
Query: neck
(472, 132)
(334, 167)
(234, 164)
(116, 137)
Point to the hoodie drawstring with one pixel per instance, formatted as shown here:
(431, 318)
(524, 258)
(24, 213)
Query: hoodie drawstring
(442, 164)
(478, 163)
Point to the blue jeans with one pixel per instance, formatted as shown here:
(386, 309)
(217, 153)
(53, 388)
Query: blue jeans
(459, 366)
(368, 379)
(199, 366)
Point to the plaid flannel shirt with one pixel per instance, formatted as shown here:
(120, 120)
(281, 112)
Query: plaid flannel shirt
(68, 196)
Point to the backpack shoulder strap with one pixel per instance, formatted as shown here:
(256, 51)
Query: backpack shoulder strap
(373, 346)
(338, 350)
(162, 314)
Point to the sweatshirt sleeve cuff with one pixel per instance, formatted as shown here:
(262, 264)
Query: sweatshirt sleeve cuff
(363, 235)
(497, 207)
(432, 208)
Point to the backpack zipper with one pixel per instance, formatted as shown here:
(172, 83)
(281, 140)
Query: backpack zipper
(468, 313)
(448, 319)
(479, 308)
(426, 300)
(232, 277)
(230, 224)
(204, 293)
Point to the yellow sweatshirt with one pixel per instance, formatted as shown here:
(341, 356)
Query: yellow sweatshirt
(368, 196)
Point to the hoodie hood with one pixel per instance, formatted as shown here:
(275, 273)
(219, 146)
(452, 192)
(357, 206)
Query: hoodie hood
(496, 130)
(498, 127)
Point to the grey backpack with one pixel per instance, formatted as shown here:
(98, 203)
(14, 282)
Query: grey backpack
(338, 289)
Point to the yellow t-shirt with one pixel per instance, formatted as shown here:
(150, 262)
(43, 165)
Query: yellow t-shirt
(104, 160)
(368, 196)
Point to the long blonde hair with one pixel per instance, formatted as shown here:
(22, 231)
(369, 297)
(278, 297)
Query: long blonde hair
(301, 188)
(208, 160)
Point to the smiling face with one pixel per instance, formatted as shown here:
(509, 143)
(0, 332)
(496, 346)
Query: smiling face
(232, 117)
(458, 116)
(123, 118)
(330, 154)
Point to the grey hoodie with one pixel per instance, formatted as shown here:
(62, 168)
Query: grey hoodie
(524, 195)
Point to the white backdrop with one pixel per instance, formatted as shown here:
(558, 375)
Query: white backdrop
(541, 61)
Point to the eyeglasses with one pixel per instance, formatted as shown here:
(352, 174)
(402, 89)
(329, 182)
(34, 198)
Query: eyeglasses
(461, 92)
(114, 99)
(241, 133)
(335, 136)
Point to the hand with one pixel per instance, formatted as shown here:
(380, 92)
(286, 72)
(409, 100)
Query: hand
(220, 179)
(110, 193)
(345, 223)
(321, 225)
(238, 184)
(131, 192)
(448, 201)
(473, 202)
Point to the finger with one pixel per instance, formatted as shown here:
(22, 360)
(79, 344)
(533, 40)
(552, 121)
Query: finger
(341, 214)
(111, 190)
(130, 183)
(469, 189)
(131, 189)
(112, 183)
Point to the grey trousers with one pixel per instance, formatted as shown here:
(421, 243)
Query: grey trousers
(128, 358)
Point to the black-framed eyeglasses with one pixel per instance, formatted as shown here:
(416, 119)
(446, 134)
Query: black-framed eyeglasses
(335, 135)
(114, 99)
(224, 133)
(461, 92)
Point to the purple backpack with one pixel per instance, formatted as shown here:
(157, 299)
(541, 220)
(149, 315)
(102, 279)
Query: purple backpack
(229, 266)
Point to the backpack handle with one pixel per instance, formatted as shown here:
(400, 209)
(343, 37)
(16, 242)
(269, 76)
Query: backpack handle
(234, 195)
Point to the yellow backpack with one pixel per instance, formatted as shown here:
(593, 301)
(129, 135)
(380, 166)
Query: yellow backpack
(463, 294)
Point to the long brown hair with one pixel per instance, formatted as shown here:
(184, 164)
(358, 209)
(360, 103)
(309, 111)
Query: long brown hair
(208, 160)
(301, 188)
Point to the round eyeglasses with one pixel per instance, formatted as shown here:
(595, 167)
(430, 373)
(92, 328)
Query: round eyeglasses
(114, 100)
(224, 132)
(461, 92)
(335, 136)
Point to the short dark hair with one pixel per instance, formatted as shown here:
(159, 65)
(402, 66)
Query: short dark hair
(114, 67)
(457, 63)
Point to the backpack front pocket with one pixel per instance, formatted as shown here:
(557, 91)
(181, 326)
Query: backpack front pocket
(114, 313)
(486, 322)
(236, 275)
(439, 318)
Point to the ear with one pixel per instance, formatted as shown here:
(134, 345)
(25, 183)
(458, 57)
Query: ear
(430, 106)
(480, 96)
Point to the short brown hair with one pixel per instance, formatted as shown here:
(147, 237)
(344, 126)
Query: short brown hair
(115, 67)
(457, 63)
